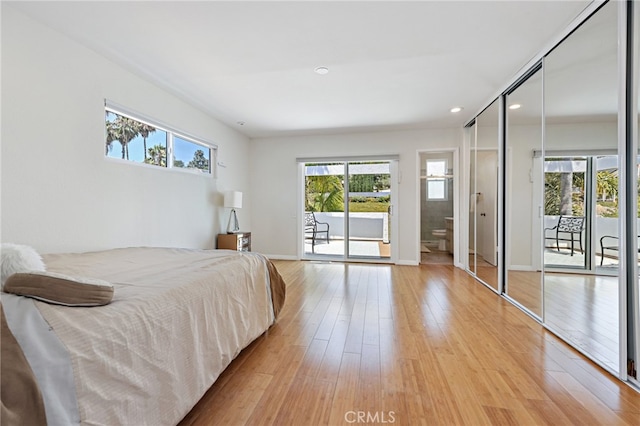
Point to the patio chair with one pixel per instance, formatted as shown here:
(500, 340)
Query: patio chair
(313, 228)
(568, 229)
(610, 245)
(609, 242)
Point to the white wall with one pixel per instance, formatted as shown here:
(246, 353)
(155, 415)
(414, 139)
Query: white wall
(275, 185)
(58, 191)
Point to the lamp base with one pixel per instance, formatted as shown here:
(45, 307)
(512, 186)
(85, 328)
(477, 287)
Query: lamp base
(232, 227)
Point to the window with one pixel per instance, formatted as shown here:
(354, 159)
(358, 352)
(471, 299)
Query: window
(133, 140)
(189, 154)
(436, 179)
(130, 137)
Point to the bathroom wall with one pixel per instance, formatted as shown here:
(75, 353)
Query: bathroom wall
(433, 212)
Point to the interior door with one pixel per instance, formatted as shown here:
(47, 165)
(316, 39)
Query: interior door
(487, 187)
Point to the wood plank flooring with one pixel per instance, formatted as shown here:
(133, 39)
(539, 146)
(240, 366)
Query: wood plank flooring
(584, 309)
(408, 345)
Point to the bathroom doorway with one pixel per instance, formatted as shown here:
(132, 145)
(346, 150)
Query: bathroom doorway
(436, 207)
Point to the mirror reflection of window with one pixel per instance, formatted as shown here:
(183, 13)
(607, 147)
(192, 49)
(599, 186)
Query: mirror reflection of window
(565, 197)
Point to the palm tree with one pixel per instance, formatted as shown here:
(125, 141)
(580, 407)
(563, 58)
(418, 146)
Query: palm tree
(199, 161)
(145, 130)
(157, 156)
(123, 130)
(111, 135)
(324, 194)
(566, 192)
(607, 184)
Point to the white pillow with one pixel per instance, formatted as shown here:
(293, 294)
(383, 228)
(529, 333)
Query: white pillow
(18, 258)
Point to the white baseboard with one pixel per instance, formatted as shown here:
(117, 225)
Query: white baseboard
(526, 268)
(407, 262)
(289, 257)
(281, 257)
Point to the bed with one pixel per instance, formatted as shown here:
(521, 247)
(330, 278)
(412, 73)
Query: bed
(177, 319)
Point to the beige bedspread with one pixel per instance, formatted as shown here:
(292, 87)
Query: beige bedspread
(21, 399)
(177, 319)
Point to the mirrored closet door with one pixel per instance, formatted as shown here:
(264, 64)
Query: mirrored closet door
(633, 328)
(523, 194)
(580, 205)
(471, 242)
(485, 195)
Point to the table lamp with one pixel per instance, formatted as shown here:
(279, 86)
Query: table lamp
(233, 200)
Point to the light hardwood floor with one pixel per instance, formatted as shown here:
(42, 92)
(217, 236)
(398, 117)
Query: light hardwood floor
(408, 345)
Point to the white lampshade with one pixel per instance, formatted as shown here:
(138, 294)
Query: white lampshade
(233, 199)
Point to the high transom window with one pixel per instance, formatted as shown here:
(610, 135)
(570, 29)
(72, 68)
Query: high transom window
(131, 137)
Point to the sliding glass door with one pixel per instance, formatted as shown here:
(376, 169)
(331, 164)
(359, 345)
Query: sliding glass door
(348, 210)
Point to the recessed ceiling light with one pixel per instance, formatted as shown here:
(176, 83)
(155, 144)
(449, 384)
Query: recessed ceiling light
(322, 70)
(514, 106)
(456, 109)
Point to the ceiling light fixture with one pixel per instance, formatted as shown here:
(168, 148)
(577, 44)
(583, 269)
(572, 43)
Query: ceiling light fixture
(456, 109)
(514, 106)
(322, 70)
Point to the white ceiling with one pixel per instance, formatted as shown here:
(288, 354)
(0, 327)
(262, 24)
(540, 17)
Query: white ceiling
(393, 65)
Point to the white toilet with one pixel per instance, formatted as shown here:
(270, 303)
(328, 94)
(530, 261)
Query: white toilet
(441, 235)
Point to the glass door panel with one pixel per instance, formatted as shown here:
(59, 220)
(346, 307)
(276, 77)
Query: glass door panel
(324, 210)
(368, 210)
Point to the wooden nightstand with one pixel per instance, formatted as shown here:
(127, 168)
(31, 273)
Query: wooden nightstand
(240, 241)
